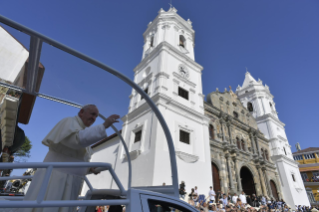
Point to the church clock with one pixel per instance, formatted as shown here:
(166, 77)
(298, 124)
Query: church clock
(183, 72)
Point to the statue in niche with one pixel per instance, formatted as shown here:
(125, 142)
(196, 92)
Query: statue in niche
(225, 130)
(218, 128)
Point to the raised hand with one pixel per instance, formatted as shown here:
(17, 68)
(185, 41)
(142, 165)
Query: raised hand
(111, 120)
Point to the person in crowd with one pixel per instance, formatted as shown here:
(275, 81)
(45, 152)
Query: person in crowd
(195, 198)
(182, 190)
(239, 203)
(211, 195)
(254, 201)
(225, 200)
(214, 209)
(219, 207)
(204, 207)
(242, 196)
(248, 199)
(234, 198)
(279, 204)
(219, 195)
(196, 190)
(263, 200)
(190, 199)
(228, 196)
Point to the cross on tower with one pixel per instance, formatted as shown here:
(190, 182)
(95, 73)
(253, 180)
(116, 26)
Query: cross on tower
(170, 4)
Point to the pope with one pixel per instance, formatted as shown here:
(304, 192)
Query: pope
(69, 141)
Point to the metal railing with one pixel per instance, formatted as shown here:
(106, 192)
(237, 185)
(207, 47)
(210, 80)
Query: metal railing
(35, 49)
(40, 202)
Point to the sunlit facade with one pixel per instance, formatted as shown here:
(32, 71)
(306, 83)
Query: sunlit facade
(308, 160)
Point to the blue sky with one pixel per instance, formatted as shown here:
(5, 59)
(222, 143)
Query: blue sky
(276, 40)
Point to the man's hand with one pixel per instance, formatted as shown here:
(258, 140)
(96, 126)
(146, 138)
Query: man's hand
(111, 120)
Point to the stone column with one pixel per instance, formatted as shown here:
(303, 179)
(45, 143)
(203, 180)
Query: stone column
(222, 129)
(263, 187)
(278, 186)
(252, 143)
(257, 144)
(239, 187)
(229, 132)
(267, 181)
(231, 183)
(223, 178)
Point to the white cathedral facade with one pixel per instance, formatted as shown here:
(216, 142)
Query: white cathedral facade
(169, 74)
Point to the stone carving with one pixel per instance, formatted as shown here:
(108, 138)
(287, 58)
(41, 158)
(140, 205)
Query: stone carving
(188, 158)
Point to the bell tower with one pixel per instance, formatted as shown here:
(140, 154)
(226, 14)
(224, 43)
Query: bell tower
(169, 74)
(257, 98)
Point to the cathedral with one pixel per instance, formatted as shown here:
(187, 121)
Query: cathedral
(233, 141)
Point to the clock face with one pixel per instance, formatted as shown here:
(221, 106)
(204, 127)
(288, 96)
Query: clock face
(183, 72)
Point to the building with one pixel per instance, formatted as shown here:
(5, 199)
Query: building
(15, 107)
(259, 101)
(308, 160)
(239, 151)
(169, 74)
(227, 141)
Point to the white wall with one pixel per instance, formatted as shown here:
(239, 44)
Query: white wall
(12, 56)
(294, 192)
(107, 153)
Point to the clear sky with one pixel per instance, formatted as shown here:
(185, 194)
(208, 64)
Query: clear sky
(276, 40)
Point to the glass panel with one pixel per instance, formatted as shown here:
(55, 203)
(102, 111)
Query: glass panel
(161, 206)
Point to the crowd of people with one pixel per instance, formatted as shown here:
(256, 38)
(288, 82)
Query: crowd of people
(222, 202)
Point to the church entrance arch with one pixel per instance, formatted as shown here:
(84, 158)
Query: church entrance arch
(274, 189)
(247, 181)
(216, 179)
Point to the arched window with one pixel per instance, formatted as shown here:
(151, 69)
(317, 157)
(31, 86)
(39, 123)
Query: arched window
(243, 144)
(182, 41)
(266, 154)
(152, 41)
(250, 107)
(211, 132)
(235, 114)
(263, 153)
(238, 143)
(270, 104)
(285, 151)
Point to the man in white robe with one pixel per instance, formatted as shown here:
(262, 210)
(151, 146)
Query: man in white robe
(242, 197)
(69, 141)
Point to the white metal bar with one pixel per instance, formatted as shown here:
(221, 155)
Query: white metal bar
(88, 183)
(62, 203)
(14, 198)
(45, 184)
(16, 177)
(54, 164)
(118, 182)
(50, 166)
(126, 152)
(33, 66)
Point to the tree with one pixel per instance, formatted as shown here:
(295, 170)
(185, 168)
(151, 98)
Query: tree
(24, 151)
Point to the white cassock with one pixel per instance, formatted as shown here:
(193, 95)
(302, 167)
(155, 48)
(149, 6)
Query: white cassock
(68, 141)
